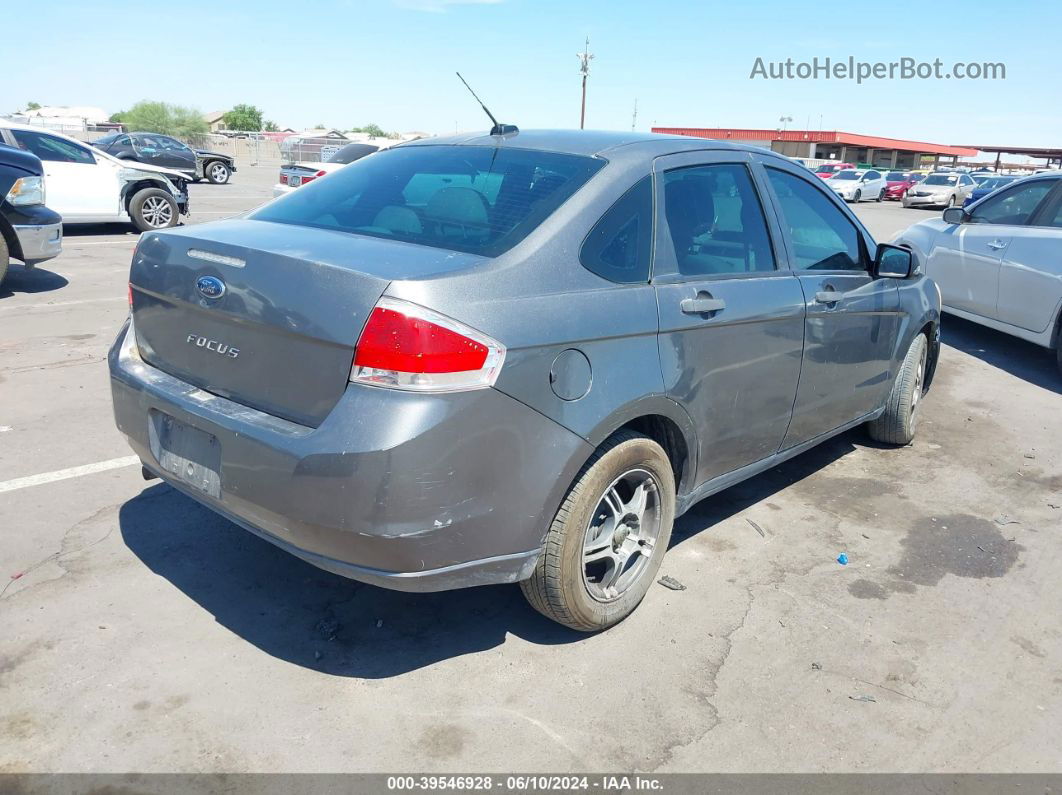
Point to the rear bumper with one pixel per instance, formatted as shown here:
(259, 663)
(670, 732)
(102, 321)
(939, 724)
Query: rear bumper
(39, 243)
(410, 492)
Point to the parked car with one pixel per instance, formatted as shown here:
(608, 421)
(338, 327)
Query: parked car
(294, 175)
(940, 189)
(997, 262)
(856, 185)
(827, 170)
(167, 152)
(985, 187)
(29, 231)
(897, 183)
(448, 364)
(981, 176)
(88, 186)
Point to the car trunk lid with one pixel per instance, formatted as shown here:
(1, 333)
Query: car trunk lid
(266, 314)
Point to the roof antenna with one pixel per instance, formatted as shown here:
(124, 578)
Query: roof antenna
(498, 128)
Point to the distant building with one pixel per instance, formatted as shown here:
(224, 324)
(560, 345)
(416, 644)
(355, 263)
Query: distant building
(216, 120)
(79, 117)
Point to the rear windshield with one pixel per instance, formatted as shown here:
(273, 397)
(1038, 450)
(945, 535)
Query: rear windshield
(846, 175)
(477, 199)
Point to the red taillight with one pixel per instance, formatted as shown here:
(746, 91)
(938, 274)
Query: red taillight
(312, 177)
(283, 178)
(130, 295)
(406, 346)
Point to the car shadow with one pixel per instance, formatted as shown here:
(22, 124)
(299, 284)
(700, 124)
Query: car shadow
(1022, 359)
(712, 510)
(21, 279)
(303, 615)
(324, 622)
(91, 230)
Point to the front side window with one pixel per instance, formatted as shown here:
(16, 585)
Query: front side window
(716, 221)
(50, 148)
(477, 199)
(618, 247)
(846, 175)
(1013, 207)
(823, 237)
(872, 175)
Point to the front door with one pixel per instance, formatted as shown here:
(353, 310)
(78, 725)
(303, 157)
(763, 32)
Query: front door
(1030, 277)
(966, 258)
(852, 320)
(731, 315)
(76, 186)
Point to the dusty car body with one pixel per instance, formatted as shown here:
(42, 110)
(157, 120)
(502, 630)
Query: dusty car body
(426, 370)
(940, 189)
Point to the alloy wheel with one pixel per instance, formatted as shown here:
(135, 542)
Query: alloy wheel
(157, 212)
(621, 535)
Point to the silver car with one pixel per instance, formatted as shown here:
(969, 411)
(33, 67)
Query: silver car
(515, 357)
(997, 262)
(940, 189)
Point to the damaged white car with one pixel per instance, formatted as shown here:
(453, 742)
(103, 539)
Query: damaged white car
(86, 186)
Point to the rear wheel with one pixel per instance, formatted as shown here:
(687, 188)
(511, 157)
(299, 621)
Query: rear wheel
(898, 422)
(606, 542)
(217, 172)
(881, 196)
(153, 208)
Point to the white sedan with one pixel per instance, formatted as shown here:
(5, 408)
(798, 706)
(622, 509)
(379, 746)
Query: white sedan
(294, 175)
(87, 186)
(857, 185)
(997, 261)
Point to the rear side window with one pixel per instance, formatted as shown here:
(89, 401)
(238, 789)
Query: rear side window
(823, 237)
(477, 199)
(618, 247)
(716, 221)
(48, 147)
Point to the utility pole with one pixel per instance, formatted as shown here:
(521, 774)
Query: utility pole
(634, 117)
(584, 68)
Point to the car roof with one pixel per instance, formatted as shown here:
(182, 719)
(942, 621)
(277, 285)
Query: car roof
(587, 142)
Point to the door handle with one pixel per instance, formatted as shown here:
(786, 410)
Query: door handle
(828, 296)
(702, 305)
(996, 245)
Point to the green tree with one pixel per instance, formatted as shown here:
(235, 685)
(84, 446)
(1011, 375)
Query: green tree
(33, 106)
(319, 126)
(160, 117)
(270, 126)
(116, 118)
(373, 129)
(244, 117)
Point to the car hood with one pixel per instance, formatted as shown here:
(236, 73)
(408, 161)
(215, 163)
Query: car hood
(133, 164)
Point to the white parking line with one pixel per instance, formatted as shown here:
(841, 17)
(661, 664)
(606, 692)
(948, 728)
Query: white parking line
(66, 474)
(28, 307)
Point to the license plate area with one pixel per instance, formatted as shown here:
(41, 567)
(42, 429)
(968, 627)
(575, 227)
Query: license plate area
(188, 454)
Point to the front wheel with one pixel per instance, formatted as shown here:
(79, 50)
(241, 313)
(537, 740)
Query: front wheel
(5, 259)
(897, 423)
(217, 172)
(153, 208)
(857, 196)
(881, 196)
(607, 540)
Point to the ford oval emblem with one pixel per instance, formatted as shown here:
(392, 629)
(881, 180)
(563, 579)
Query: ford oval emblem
(210, 286)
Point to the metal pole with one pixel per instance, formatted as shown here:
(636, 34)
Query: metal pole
(584, 67)
(582, 110)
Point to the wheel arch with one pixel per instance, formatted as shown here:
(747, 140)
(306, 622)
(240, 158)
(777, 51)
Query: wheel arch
(664, 421)
(8, 233)
(131, 189)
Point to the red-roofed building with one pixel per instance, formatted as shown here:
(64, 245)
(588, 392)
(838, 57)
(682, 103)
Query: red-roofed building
(843, 147)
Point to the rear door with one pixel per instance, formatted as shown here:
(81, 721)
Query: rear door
(77, 186)
(852, 320)
(731, 319)
(1030, 277)
(967, 258)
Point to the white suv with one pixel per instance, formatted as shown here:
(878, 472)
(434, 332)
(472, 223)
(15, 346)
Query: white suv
(86, 186)
(858, 185)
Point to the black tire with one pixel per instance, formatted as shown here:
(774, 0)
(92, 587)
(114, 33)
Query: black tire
(857, 196)
(147, 209)
(216, 172)
(898, 423)
(5, 259)
(881, 196)
(560, 587)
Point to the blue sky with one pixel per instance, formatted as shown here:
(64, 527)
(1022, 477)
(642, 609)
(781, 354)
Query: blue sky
(347, 62)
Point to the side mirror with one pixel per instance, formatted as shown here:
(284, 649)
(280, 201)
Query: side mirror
(893, 262)
(955, 215)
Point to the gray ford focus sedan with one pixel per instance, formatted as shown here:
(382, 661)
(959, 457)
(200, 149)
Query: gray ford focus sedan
(515, 357)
